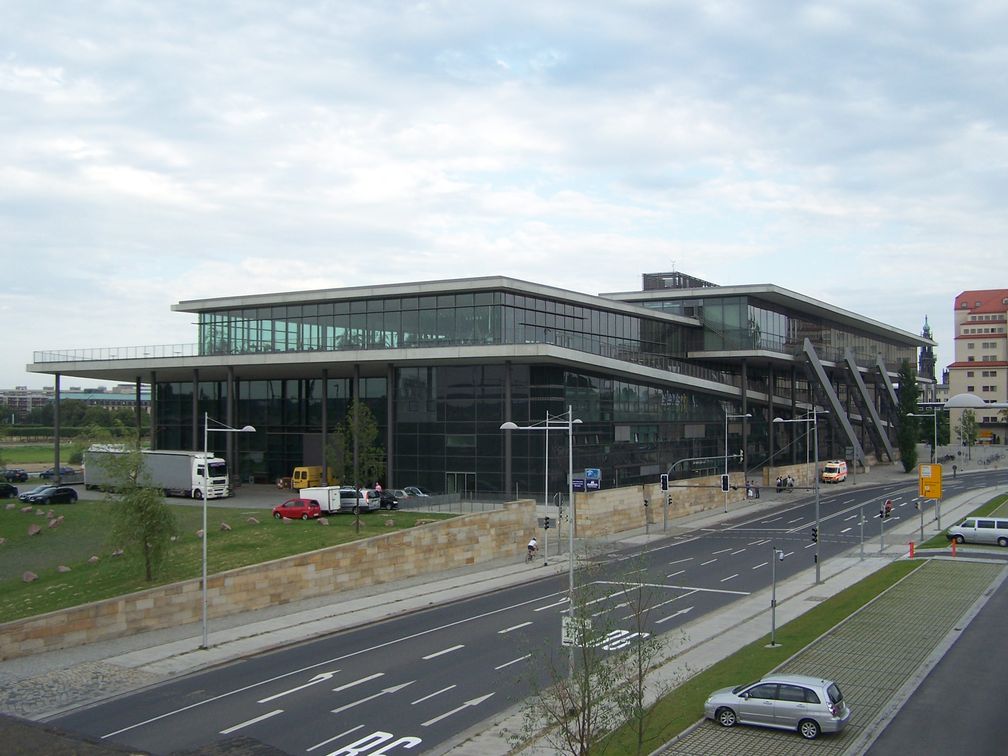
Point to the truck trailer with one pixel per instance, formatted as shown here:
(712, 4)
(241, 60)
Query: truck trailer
(177, 473)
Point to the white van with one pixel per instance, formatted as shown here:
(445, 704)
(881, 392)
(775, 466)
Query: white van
(980, 530)
(834, 471)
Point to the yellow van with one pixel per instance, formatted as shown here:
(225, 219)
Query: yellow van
(311, 477)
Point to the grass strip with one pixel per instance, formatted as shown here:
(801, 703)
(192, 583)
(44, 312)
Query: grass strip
(85, 530)
(678, 710)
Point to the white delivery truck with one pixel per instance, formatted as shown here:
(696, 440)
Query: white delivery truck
(328, 497)
(177, 473)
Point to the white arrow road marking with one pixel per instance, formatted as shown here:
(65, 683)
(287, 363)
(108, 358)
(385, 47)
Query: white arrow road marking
(335, 737)
(273, 713)
(435, 693)
(443, 652)
(513, 661)
(375, 676)
(379, 694)
(687, 610)
(321, 677)
(849, 518)
(467, 704)
(513, 627)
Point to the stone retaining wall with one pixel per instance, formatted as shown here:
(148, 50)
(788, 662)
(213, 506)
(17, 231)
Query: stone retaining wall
(425, 549)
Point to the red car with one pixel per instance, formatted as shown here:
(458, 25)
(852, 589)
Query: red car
(297, 509)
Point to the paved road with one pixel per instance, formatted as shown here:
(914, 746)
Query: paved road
(436, 673)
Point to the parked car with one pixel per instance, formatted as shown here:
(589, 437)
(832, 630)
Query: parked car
(368, 501)
(416, 491)
(29, 495)
(388, 499)
(297, 509)
(980, 530)
(51, 472)
(50, 495)
(809, 705)
(15, 475)
(7, 491)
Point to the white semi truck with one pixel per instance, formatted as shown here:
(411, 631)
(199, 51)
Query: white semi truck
(177, 473)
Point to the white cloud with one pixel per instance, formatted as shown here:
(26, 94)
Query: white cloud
(158, 152)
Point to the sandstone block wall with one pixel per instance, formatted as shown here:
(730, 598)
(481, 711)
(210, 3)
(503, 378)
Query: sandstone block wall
(426, 549)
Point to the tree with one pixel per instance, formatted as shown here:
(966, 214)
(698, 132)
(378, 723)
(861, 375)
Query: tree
(143, 522)
(967, 430)
(576, 707)
(370, 462)
(908, 431)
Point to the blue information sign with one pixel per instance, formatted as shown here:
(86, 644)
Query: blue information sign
(593, 473)
(578, 484)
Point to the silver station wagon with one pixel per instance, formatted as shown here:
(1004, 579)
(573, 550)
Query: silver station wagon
(809, 705)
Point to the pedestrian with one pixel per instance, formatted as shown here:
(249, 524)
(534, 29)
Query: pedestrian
(377, 487)
(748, 490)
(780, 484)
(756, 490)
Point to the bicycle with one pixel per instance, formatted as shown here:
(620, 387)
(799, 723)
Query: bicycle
(530, 554)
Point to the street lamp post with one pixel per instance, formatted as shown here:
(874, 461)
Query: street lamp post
(726, 418)
(207, 430)
(814, 420)
(569, 426)
(778, 554)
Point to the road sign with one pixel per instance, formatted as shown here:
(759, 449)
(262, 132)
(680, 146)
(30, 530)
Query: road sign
(593, 473)
(578, 484)
(593, 485)
(573, 631)
(929, 481)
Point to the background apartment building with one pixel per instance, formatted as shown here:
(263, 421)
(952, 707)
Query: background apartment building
(981, 358)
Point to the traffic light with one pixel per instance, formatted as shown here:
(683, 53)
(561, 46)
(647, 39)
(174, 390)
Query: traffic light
(546, 523)
(815, 535)
(741, 455)
(664, 482)
(724, 483)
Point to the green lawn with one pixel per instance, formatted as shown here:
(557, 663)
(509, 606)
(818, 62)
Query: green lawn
(85, 533)
(940, 541)
(684, 705)
(28, 454)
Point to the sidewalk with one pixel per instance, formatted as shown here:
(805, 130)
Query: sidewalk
(44, 685)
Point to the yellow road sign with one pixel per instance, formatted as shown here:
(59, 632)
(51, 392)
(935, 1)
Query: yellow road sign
(929, 481)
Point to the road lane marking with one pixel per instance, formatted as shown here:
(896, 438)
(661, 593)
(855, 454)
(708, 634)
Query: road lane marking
(788, 553)
(704, 564)
(767, 522)
(327, 662)
(467, 704)
(759, 542)
(369, 678)
(442, 653)
(513, 627)
(675, 573)
(322, 677)
(674, 587)
(373, 696)
(846, 529)
(334, 737)
(514, 661)
(737, 552)
(273, 713)
(679, 561)
(850, 518)
(761, 564)
(722, 551)
(550, 606)
(670, 601)
(730, 577)
(687, 610)
(809, 546)
(435, 693)
(796, 519)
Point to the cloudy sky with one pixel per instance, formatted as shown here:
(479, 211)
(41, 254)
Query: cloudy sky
(151, 152)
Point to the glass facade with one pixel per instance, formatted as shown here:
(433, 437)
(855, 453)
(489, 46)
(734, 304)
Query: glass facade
(746, 323)
(458, 319)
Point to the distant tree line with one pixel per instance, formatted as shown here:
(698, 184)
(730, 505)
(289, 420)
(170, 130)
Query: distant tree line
(80, 418)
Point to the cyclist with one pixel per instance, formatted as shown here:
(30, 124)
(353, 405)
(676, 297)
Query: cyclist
(533, 548)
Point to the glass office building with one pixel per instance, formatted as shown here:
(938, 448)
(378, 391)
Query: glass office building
(442, 364)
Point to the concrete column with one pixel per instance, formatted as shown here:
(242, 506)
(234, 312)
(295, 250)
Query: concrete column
(508, 483)
(153, 409)
(356, 444)
(229, 418)
(325, 423)
(138, 410)
(770, 414)
(195, 412)
(56, 428)
(389, 425)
